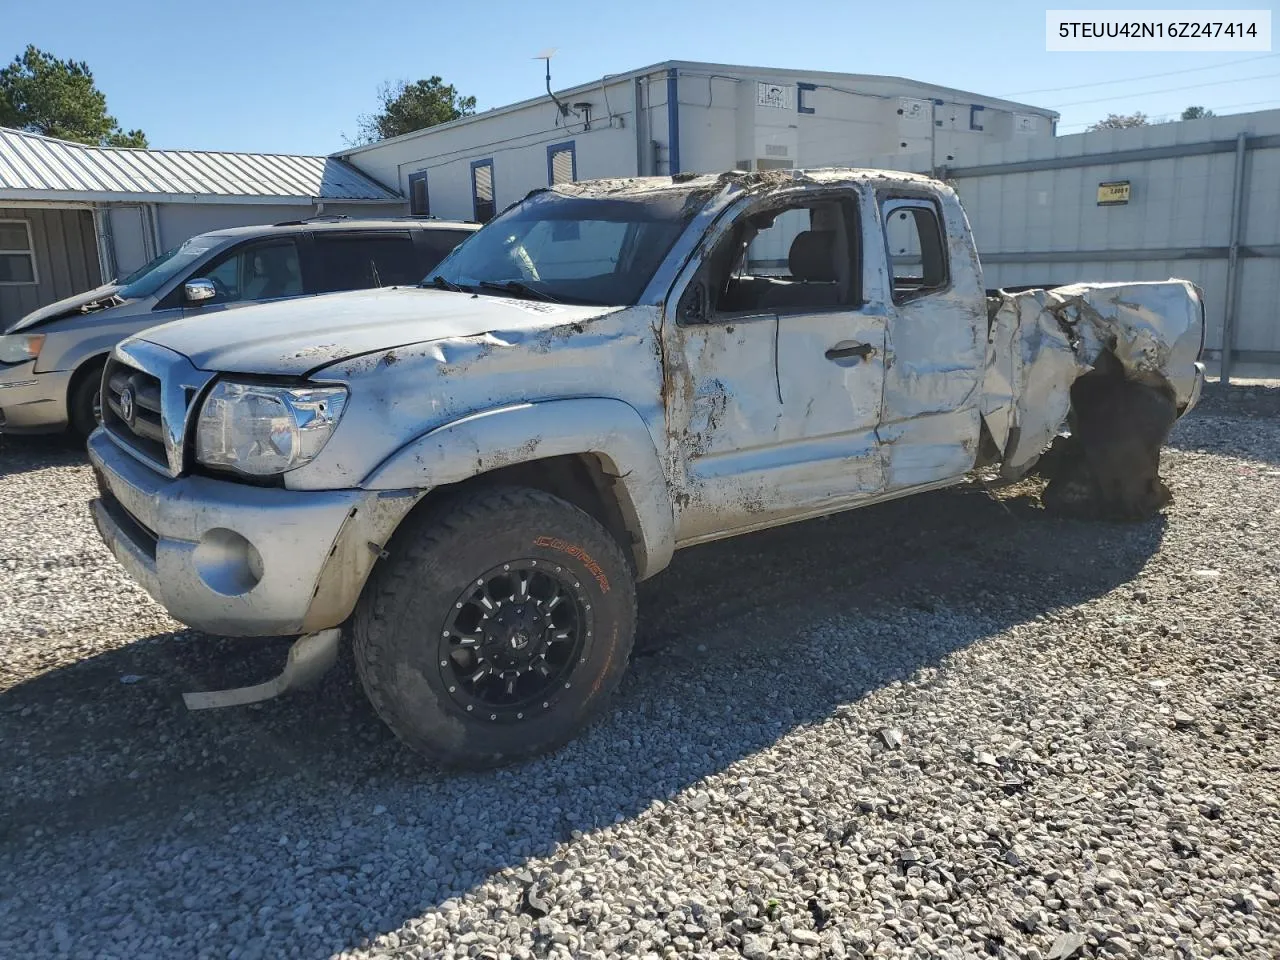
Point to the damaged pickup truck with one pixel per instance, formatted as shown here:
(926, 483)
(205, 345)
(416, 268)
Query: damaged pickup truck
(470, 475)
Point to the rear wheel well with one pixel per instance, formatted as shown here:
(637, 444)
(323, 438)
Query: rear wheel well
(579, 479)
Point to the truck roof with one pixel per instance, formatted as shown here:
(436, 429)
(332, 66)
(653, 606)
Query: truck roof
(639, 186)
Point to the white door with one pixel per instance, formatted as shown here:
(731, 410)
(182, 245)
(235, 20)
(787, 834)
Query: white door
(935, 344)
(776, 371)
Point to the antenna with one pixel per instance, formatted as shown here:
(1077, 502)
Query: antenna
(546, 56)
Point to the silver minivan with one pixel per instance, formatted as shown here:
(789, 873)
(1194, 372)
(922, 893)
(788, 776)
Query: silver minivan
(51, 360)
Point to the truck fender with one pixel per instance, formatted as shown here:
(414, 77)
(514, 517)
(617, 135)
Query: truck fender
(611, 430)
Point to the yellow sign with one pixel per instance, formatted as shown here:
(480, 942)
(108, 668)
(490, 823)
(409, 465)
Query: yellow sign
(1113, 192)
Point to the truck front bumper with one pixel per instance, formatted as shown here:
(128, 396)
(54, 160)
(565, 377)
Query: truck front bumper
(33, 402)
(238, 560)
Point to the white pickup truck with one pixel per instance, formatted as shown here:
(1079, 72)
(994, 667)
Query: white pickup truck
(470, 475)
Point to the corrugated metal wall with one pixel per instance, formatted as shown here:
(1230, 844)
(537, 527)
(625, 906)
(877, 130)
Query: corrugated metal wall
(66, 257)
(1035, 214)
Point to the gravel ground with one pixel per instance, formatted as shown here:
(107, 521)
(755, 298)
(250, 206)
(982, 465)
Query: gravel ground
(949, 726)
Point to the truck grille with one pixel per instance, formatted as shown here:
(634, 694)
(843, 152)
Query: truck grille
(131, 411)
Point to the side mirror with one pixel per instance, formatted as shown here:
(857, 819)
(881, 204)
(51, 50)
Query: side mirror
(199, 289)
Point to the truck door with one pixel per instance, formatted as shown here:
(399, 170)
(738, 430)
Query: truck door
(935, 350)
(779, 370)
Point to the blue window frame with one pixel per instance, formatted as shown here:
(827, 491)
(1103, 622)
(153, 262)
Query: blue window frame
(973, 116)
(801, 90)
(483, 205)
(562, 163)
(419, 197)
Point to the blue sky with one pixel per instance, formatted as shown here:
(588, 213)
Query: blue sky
(289, 76)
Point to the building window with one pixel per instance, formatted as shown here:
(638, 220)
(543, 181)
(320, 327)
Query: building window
(419, 198)
(562, 163)
(17, 253)
(482, 203)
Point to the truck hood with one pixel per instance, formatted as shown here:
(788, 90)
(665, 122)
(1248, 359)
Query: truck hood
(294, 337)
(70, 306)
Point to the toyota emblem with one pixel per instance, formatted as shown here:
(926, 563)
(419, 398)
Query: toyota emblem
(126, 405)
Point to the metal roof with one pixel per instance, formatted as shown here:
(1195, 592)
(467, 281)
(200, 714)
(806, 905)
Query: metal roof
(42, 168)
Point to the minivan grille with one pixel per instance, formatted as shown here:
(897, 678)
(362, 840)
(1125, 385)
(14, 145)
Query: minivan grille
(131, 411)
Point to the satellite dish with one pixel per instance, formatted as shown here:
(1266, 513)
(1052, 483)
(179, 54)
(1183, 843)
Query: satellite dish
(546, 54)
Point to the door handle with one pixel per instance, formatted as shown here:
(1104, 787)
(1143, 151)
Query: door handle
(847, 350)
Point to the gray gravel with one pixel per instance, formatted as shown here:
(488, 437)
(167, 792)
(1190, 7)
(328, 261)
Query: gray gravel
(948, 726)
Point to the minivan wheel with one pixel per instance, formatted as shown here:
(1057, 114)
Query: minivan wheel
(498, 627)
(84, 405)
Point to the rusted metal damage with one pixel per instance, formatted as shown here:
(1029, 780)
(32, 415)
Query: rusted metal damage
(1114, 362)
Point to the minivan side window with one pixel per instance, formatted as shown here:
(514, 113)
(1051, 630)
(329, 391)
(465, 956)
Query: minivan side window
(256, 271)
(358, 261)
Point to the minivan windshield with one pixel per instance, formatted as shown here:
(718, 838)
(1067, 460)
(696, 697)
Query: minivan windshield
(572, 249)
(147, 279)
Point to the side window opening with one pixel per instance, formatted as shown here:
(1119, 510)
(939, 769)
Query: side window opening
(258, 271)
(915, 246)
(355, 261)
(482, 191)
(799, 257)
(419, 197)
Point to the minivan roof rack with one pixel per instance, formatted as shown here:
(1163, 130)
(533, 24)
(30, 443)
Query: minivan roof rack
(327, 216)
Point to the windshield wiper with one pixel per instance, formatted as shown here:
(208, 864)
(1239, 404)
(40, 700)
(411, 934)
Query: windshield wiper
(518, 289)
(440, 283)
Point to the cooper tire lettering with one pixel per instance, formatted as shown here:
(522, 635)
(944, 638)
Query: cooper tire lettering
(575, 551)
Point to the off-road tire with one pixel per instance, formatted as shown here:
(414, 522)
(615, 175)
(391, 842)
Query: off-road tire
(408, 599)
(80, 402)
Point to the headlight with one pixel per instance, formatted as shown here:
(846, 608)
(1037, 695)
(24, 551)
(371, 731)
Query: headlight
(264, 430)
(20, 347)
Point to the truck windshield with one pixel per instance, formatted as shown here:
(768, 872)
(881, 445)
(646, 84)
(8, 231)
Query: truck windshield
(147, 279)
(586, 250)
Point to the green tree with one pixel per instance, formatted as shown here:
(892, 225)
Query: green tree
(405, 107)
(57, 98)
(1121, 121)
(1197, 113)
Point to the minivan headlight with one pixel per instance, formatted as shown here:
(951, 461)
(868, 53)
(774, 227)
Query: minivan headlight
(262, 430)
(20, 347)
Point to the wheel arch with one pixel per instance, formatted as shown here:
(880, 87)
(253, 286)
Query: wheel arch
(83, 369)
(595, 453)
(91, 366)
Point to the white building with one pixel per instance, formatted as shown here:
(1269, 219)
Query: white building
(677, 117)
